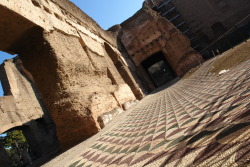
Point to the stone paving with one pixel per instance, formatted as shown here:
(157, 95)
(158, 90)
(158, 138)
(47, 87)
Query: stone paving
(203, 120)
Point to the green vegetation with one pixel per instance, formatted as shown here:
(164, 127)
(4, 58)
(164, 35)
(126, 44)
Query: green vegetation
(17, 148)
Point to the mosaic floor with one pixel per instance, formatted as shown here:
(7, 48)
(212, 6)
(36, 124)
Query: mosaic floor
(203, 120)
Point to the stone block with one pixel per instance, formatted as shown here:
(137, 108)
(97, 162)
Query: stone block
(102, 103)
(124, 94)
(105, 118)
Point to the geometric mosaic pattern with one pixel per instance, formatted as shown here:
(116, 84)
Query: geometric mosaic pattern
(203, 120)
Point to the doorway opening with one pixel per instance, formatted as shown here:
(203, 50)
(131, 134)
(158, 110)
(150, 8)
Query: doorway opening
(158, 69)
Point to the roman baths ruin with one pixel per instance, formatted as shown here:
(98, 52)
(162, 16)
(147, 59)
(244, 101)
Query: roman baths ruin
(205, 21)
(71, 80)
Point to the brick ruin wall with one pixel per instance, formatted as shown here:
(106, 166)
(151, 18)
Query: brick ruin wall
(81, 71)
(147, 33)
(202, 15)
(64, 51)
(20, 104)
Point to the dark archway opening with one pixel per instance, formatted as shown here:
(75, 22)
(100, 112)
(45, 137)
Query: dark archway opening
(31, 143)
(158, 69)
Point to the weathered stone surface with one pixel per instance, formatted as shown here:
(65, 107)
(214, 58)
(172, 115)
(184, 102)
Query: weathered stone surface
(104, 119)
(64, 51)
(124, 94)
(201, 16)
(85, 83)
(129, 104)
(93, 45)
(100, 104)
(22, 108)
(204, 21)
(7, 104)
(50, 15)
(22, 105)
(124, 66)
(147, 33)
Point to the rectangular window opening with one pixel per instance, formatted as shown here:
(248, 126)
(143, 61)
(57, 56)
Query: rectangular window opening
(1, 89)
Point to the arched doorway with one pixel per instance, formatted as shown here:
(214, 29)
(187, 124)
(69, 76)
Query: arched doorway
(158, 69)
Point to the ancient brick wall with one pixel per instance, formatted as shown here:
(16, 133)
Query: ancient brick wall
(82, 71)
(64, 50)
(21, 103)
(202, 15)
(22, 109)
(147, 33)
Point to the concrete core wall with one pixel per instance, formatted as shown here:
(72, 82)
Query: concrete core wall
(203, 21)
(147, 33)
(202, 15)
(64, 51)
(81, 71)
(22, 109)
(21, 103)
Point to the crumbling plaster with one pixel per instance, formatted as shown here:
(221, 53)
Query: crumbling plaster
(21, 104)
(64, 51)
(146, 33)
(80, 70)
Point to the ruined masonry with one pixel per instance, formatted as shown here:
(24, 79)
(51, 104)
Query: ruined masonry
(204, 21)
(71, 77)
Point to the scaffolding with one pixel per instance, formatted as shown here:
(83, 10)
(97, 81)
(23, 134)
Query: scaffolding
(168, 10)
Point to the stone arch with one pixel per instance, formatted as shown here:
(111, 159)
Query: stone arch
(40, 143)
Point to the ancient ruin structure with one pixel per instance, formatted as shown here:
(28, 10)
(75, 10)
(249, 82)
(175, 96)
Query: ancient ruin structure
(72, 71)
(153, 42)
(63, 49)
(204, 21)
(22, 109)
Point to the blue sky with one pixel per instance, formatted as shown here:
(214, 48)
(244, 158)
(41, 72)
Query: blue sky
(106, 13)
(109, 12)
(4, 56)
